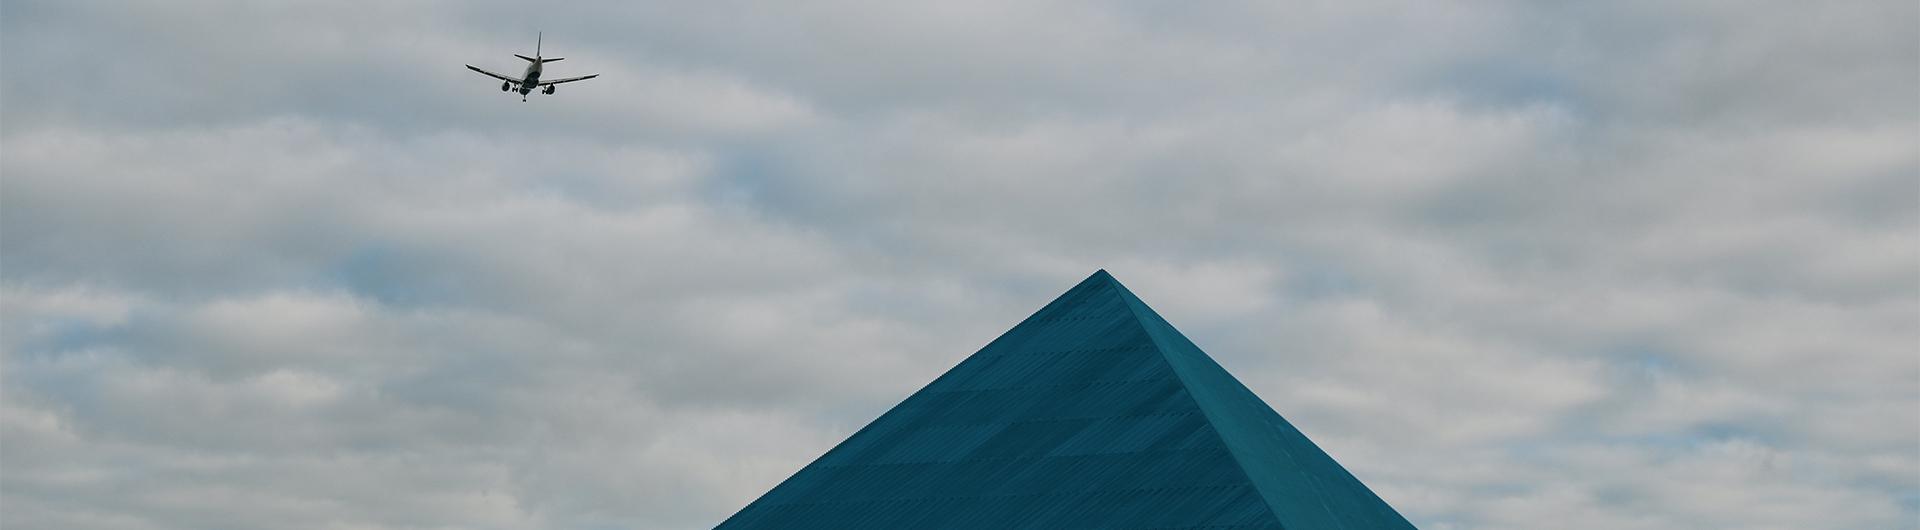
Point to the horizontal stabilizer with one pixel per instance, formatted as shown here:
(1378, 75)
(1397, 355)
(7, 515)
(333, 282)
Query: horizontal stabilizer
(550, 59)
(529, 59)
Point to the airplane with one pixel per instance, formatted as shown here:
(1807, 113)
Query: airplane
(531, 79)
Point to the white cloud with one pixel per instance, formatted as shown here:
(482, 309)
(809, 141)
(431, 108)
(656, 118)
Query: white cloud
(1629, 265)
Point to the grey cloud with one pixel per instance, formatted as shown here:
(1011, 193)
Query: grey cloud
(1640, 265)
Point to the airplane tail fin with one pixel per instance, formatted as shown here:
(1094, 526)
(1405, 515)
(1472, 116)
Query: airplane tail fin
(536, 58)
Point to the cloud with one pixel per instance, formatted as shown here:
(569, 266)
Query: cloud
(1632, 265)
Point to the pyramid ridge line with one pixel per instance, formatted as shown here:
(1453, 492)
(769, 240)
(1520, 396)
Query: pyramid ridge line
(1168, 340)
(1140, 313)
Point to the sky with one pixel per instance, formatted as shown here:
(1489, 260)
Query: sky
(1516, 265)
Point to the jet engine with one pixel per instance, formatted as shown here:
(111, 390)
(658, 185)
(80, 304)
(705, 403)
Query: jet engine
(505, 86)
(549, 90)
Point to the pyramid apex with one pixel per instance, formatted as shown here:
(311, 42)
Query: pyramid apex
(1101, 279)
(1102, 274)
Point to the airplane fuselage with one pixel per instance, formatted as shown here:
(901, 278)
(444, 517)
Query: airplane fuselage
(531, 78)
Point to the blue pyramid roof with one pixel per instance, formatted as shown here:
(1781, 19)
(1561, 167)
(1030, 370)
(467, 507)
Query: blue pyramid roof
(1092, 413)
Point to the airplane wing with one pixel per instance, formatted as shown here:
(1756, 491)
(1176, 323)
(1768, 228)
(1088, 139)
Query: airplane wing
(514, 80)
(567, 80)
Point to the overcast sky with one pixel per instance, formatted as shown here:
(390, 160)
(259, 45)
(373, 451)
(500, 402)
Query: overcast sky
(1517, 265)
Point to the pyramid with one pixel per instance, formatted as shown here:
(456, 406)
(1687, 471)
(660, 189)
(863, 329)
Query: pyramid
(1092, 413)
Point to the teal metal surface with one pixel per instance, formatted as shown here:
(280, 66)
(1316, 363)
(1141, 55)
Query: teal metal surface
(1092, 413)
